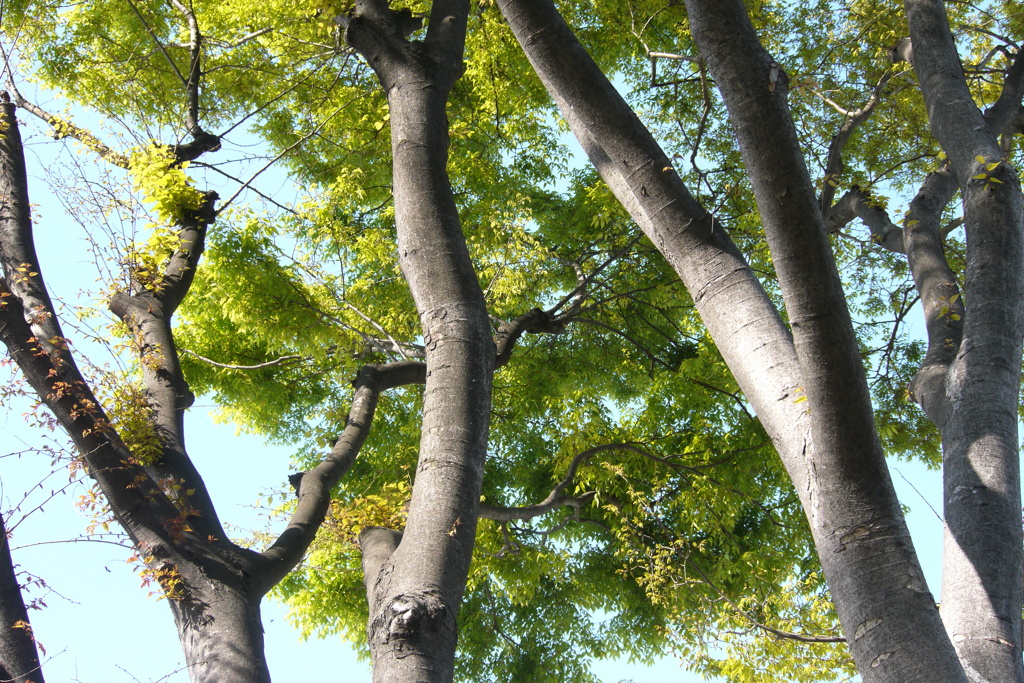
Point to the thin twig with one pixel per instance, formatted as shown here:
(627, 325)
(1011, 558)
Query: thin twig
(269, 364)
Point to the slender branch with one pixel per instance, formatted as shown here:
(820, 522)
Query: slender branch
(277, 158)
(670, 55)
(643, 349)
(314, 486)
(835, 105)
(556, 499)
(578, 294)
(63, 128)
(788, 635)
(395, 346)
(834, 165)
(194, 71)
(277, 361)
(858, 203)
(159, 44)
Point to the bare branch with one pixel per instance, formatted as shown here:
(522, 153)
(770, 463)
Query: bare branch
(160, 45)
(579, 293)
(63, 128)
(314, 486)
(277, 158)
(283, 360)
(834, 165)
(669, 55)
(194, 71)
(858, 203)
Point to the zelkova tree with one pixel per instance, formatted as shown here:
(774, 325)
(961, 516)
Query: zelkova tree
(159, 498)
(620, 460)
(969, 381)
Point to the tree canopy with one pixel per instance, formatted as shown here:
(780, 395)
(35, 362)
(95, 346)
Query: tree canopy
(633, 403)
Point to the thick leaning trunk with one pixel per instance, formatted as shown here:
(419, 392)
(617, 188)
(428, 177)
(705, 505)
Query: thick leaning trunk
(415, 591)
(872, 551)
(888, 615)
(732, 303)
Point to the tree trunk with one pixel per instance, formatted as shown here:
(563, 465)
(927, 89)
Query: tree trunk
(415, 592)
(19, 659)
(213, 586)
(982, 591)
(888, 615)
(840, 474)
(221, 633)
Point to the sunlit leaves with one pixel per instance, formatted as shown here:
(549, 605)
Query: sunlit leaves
(163, 182)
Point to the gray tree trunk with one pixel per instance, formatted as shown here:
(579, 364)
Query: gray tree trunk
(415, 582)
(982, 591)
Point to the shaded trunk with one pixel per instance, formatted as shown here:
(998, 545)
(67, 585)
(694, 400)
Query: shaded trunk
(19, 659)
(982, 592)
(221, 633)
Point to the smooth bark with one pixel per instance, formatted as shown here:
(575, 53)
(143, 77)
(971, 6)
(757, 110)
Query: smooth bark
(888, 615)
(415, 594)
(732, 303)
(982, 592)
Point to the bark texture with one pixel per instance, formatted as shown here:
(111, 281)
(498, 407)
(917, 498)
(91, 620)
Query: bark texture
(982, 562)
(888, 615)
(19, 658)
(415, 591)
(735, 308)
(894, 630)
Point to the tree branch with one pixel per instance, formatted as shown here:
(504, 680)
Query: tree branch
(834, 165)
(160, 46)
(858, 203)
(940, 294)
(314, 486)
(1000, 114)
(147, 312)
(195, 70)
(63, 128)
(283, 360)
(534, 321)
